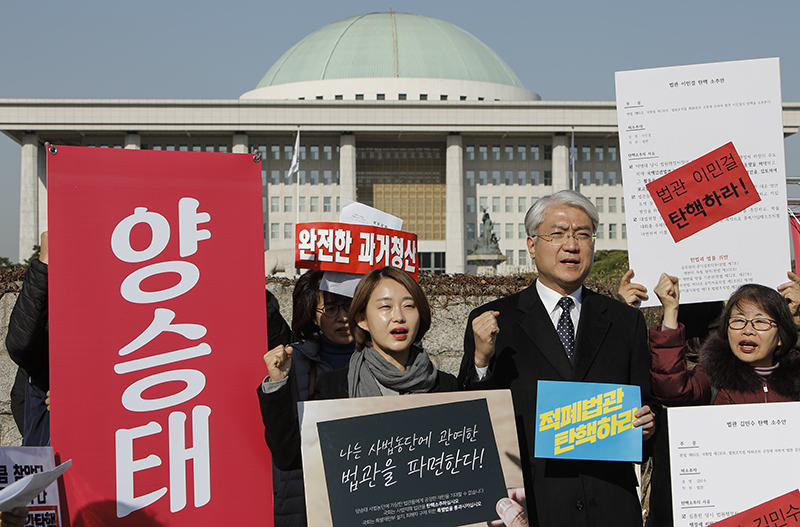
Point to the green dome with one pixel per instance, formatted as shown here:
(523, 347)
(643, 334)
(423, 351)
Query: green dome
(382, 45)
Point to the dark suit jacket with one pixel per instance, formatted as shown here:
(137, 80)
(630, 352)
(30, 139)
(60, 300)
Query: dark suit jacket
(610, 347)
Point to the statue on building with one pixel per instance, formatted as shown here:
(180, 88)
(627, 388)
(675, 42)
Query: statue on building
(487, 254)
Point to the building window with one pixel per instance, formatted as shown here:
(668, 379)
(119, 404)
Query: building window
(327, 152)
(470, 153)
(319, 97)
(275, 177)
(287, 204)
(496, 153)
(263, 204)
(510, 257)
(599, 202)
(612, 153)
(470, 205)
(274, 204)
(612, 177)
(315, 177)
(622, 203)
(274, 230)
(534, 177)
(287, 231)
(523, 257)
(612, 231)
(509, 204)
(495, 204)
(470, 231)
(535, 153)
(624, 231)
(599, 231)
(586, 153)
(423, 96)
(338, 208)
(338, 97)
(509, 231)
(484, 203)
(483, 177)
(470, 178)
(509, 153)
(326, 204)
(521, 151)
(521, 205)
(548, 152)
(327, 177)
(483, 153)
(598, 178)
(463, 98)
(495, 177)
(288, 151)
(548, 177)
(586, 178)
(301, 177)
(263, 178)
(509, 179)
(301, 204)
(521, 232)
(276, 152)
(302, 154)
(314, 153)
(401, 96)
(443, 97)
(381, 96)
(313, 204)
(612, 204)
(359, 96)
(598, 153)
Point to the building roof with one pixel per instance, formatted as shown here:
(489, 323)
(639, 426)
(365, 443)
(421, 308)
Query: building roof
(385, 45)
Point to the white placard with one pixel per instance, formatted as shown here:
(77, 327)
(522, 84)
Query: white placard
(725, 459)
(671, 116)
(19, 462)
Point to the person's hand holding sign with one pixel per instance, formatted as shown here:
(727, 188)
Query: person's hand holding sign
(510, 510)
(485, 329)
(278, 361)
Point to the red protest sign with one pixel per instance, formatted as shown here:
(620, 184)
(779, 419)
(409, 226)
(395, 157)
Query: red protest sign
(157, 333)
(354, 248)
(781, 511)
(703, 192)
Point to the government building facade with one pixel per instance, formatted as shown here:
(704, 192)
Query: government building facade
(409, 114)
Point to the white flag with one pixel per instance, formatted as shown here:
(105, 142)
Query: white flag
(295, 166)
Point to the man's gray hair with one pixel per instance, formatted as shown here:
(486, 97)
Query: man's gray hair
(570, 198)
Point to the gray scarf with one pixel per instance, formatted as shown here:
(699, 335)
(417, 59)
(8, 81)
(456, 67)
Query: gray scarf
(369, 371)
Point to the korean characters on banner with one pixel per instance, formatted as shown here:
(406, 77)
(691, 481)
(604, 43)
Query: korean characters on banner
(587, 421)
(783, 511)
(703, 192)
(352, 248)
(18, 462)
(165, 331)
(180, 361)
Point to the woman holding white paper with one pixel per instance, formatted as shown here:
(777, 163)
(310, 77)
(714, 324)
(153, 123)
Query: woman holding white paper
(749, 358)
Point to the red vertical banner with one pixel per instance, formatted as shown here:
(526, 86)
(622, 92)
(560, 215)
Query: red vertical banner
(157, 329)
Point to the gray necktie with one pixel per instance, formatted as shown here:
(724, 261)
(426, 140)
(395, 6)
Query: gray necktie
(565, 329)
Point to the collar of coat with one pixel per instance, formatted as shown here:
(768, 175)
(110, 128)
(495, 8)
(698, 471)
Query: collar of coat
(727, 372)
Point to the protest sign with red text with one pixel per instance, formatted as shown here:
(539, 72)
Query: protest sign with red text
(157, 329)
(354, 248)
(782, 511)
(703, 192)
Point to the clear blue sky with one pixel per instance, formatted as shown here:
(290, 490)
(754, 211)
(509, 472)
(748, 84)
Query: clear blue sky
(179, 49)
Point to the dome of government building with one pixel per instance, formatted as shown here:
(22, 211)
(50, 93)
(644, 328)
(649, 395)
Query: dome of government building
(390, 56)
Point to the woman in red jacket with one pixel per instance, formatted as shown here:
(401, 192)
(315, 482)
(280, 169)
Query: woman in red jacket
(750, 357)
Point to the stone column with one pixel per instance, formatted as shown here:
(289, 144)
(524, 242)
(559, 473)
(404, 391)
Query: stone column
(133, 141)
(347, 167)
(29, 196)
(241, 143)
(42, 192)
(455, 257)
(560, 162)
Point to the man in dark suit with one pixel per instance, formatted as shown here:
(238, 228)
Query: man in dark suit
(558, 330)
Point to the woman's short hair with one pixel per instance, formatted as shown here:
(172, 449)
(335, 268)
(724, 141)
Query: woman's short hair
(305, 300)
(773, 304)
(364, 291)
(535, 215)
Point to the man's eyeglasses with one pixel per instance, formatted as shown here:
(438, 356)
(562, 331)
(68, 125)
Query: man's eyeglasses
(332, 310)
(560, 238)
(759, 324)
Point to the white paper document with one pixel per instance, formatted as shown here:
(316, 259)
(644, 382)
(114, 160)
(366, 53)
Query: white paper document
(21, 492)
(728, 458)
(669, 117)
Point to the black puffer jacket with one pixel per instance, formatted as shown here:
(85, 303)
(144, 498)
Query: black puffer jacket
(28, 346)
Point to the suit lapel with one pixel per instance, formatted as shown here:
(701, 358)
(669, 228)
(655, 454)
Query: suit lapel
(536, 324)
(592, 329)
